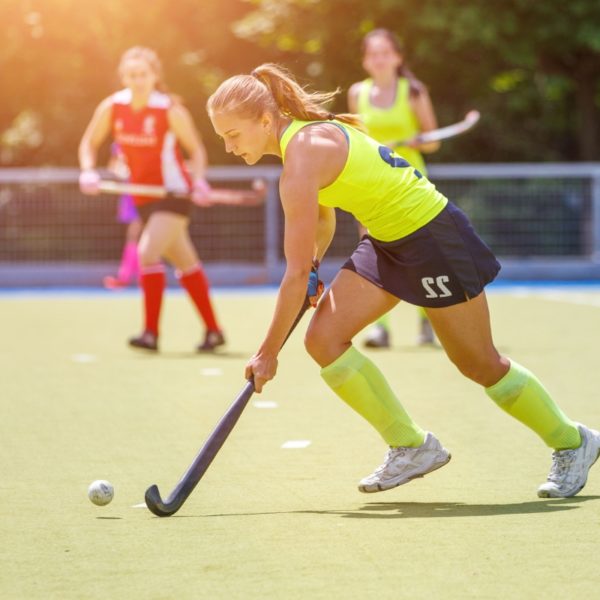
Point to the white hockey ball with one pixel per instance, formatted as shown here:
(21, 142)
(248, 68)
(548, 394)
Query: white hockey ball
(101, 492)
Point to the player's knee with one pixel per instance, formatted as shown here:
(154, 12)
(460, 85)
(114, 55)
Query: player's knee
(317, 343)
(313, 340)
(481, 370)
(147, 256)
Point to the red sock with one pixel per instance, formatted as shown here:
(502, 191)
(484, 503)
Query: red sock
(153, 282)
(196, 285)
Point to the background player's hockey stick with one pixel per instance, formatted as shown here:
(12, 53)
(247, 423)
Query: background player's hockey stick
(168, 507)
(252, 197)
(443, 133)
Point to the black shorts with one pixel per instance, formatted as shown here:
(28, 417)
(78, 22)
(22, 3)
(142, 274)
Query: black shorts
(443, 263)
(179, 206)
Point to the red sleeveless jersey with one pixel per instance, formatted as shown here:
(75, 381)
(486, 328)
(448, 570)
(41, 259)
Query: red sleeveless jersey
(151, 149)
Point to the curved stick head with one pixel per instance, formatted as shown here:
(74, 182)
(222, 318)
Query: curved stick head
(155, 504)
(472, 116)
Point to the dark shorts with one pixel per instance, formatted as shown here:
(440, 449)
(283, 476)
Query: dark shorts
(179, 206)
(443, 263)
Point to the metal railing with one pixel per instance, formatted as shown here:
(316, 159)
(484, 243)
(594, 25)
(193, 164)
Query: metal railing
(542, 220)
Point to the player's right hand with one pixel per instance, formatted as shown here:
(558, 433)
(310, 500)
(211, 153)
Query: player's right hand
(260, 369)
(89, 182)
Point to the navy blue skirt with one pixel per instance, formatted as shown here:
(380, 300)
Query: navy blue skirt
(443, 263)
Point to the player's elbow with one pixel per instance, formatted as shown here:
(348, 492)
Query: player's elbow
(85, 151)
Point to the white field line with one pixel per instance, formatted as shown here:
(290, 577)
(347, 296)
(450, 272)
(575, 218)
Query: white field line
(83, 358)
(578, 298)
(212, 372)
(296, 444)
(264, 404)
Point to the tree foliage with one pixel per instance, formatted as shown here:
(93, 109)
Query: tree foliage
(532, 68)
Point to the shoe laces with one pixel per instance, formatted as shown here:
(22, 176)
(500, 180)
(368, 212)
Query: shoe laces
(389, 455)
(561, 463)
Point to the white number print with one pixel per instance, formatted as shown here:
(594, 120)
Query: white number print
(441, 292)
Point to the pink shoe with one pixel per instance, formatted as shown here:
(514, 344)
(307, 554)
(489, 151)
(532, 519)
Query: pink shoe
(114, 283)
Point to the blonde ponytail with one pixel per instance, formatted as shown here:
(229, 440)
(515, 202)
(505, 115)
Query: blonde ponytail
(272, 88)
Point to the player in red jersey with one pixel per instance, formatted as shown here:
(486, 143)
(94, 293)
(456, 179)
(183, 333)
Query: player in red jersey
(149, 124)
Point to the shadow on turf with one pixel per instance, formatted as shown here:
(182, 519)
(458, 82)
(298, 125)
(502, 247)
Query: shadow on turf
(145, 355)
(429, 510)
(419, 349)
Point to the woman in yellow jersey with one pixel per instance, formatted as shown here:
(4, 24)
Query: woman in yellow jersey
(394, 105)
(420, 248)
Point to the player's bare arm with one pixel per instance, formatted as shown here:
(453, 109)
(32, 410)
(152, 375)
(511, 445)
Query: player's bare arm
(312, 162)
(325, 231)
(182, 125)
(423, 108)
(95, 133)
(352, 99)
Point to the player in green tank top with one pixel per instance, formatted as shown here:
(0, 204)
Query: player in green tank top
(392, 102)
(401, 202)
(440, 264)
(393, 105)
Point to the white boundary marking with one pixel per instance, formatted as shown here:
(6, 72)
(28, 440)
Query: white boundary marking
(264, 404)
(142, 505)
(83, 358)
(572, 298)
(569, 297)
(296, 444)
(212, 372)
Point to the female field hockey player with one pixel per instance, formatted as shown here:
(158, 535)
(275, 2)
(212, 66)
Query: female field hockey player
(148, 124)
(420, 248)
(394, 105)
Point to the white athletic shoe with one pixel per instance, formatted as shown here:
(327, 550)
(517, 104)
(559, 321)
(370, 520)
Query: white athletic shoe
(426, 334)
(402, 464)
(569, 471)
(377, 337)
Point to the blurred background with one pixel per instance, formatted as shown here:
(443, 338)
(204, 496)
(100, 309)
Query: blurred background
(526, 174)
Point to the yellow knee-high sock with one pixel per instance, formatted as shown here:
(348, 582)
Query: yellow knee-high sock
(521, 395)
(359, 383)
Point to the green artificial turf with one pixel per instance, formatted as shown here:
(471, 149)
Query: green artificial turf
(266, 522)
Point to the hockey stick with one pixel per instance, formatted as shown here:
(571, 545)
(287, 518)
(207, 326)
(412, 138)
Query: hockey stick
(168, 507)
(217, 195)
(470, 120)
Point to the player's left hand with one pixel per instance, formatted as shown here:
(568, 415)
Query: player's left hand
(201, 193)
(315, 285)
(89, 182)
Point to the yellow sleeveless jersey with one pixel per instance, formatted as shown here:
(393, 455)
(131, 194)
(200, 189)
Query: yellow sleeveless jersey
(383, 191)
(398, 122)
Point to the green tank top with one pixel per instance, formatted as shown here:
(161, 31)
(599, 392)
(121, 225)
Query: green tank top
(398, 122)
(383, 191)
